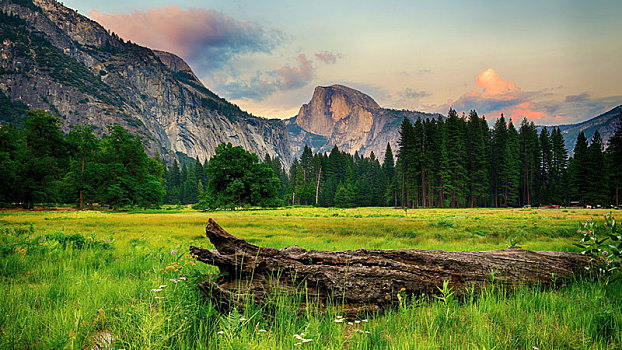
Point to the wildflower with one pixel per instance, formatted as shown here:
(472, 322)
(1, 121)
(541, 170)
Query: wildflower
(365, 320)
(174, 280)
(339, 319)
(220, 332)
(77, 282)
(357, 321)
(261, 331)
(162, 286)
(242, 319)
(173, 252)
(605, 253)
(155, 290)
(350, 323)
(183, 278)
(159, 298)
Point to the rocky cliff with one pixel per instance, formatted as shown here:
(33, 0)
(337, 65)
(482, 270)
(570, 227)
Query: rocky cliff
(349, 119)
(606, 124)
(53, 58)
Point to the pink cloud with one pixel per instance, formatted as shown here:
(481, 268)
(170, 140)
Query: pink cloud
(198, 34)
(494, 86)
(327, 57)
(496, 95)
(294, 77)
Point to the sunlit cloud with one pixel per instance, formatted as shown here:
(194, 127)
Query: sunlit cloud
(207, 38)
(496, 95)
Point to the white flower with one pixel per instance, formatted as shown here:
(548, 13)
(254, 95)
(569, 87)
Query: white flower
(306, 340)
(350, 323)
(262, 331)
(297, 344)
(365, 320)
(357, 321)
(174, 280)
(242, 319)
(298, 336)
(159, 297)
(156, 290)
(162, 286)
(183, 278)
(220, 332)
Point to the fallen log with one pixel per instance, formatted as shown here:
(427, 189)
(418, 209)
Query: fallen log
(368, 279)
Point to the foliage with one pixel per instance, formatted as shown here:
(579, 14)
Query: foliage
(44, 286)
(237, 179)
(603, 245)
(42, 165)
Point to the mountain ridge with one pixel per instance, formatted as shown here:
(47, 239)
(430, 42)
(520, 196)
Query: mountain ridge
(56, 59)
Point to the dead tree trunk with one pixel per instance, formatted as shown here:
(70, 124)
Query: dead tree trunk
(368, 280)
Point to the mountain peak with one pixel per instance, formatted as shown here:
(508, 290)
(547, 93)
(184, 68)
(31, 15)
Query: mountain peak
(354, 96)
(336, 105)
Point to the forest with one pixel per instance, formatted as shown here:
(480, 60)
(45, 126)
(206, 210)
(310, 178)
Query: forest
(452, 162)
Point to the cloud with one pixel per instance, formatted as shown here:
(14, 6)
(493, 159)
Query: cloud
(578, 98)
(327, 57)
(207, 38)
(413, 94)
(295, 77)
(265, 84)
(494, 86)
(496, 95)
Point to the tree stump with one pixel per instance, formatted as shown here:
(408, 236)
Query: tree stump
(369, 279)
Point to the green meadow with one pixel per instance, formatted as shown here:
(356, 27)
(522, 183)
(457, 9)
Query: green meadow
(76, 280)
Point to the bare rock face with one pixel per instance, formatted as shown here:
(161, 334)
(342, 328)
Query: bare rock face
(349, 119)
(53, 58)
(337, 108)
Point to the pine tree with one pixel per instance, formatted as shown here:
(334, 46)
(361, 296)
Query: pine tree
(477, 166)
(559, 164)
(456, 158)
(529, 160)
(614, 153)
(597, 177)
(388, 168)
(580, 164)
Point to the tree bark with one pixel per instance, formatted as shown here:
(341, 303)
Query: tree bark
(366, 279)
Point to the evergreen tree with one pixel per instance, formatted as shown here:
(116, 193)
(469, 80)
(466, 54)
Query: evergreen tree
(597, 192)
(614, 154)
(529, 160)
(559, 164)
(456, 159)
(580, 164)
(388, 168)
(477, 165)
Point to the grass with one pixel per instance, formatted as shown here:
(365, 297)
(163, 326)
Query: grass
(70, 277)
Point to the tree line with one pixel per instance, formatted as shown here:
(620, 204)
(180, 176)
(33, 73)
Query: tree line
(41, 164)
(459, 161)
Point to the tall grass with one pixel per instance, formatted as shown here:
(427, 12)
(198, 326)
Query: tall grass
(68, 279)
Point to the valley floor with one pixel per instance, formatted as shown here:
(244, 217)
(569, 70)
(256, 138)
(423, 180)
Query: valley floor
(74, 279)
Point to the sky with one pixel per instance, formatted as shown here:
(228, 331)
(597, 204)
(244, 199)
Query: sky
(553, 62)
